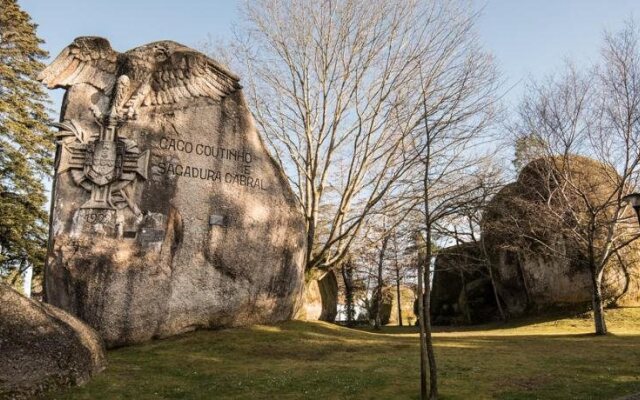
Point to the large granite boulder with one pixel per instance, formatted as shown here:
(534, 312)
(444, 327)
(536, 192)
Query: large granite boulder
(462, 292)
(389, 306)
(169, 214)
(320, 297)
(534, 266)
(43, 347)
(538, 267)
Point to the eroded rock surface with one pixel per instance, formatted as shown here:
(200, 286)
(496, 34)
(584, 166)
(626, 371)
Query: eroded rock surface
(545, 268)
(169, 213)
(43, 347)
(407, 299)
(320, 298)
(535, 267)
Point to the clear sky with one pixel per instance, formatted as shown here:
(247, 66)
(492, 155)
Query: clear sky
(528, 37)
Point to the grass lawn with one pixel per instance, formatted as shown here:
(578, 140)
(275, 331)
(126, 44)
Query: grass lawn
(535, 359)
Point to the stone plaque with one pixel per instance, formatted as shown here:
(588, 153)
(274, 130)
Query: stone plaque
(151, 235)
(217, 219)
(152, 143)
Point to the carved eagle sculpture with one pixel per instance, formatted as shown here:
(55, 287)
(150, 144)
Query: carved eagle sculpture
(156, 74)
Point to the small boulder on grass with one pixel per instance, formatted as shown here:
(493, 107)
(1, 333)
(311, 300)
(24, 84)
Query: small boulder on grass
(43, 347)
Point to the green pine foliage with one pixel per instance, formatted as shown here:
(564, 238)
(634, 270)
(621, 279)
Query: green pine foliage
(26, 145)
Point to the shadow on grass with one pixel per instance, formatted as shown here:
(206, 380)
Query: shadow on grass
(311, 360)
(552, 316)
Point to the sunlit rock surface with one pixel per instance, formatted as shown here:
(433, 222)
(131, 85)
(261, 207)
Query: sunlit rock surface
(169, 214)
(43, 347)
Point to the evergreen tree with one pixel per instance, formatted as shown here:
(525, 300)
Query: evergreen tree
(26, 145)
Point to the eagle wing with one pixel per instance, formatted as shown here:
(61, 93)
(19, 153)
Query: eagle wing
(87, 60)
(187, 74)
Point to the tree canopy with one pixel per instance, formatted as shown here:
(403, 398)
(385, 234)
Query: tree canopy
(26, 144)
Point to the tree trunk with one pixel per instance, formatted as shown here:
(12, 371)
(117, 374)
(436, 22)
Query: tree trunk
(433, 371)
(467, 309)
(310, 243)
(503, 317)
(347, 276)
(494, 287)
(423, 348)
(598, 308)
(399, 298)
(397, 265)
(378, 321)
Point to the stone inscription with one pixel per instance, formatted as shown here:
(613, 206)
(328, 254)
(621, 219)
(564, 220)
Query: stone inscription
(96, 217)
(241, 159)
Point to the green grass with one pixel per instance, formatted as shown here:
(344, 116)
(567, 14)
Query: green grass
(533, 359)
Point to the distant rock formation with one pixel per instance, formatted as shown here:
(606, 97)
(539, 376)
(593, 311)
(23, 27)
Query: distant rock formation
(407, 299)
(462, 292)
(43, 347)
(320, 298)
(169, 214)
(389, 306)
(539, 270)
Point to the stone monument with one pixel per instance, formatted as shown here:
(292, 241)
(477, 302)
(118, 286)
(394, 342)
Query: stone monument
(168, 212)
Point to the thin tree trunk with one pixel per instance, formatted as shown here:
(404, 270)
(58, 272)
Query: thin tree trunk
(598, 308)
(378, 321)
(423, 348)
(503, 317)
(467, 310)
(399, 298)
(426, 311)
(494, 287)
(433, 372)
(347, 276)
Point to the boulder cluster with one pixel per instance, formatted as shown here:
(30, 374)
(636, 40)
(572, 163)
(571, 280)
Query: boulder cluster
(525, 259)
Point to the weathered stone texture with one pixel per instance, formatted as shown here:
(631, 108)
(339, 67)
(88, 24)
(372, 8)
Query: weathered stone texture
(462, 291)
(390, 305)
(198, 227)
(320, 298)
(43, 347)
(544, 268)
(534, 265)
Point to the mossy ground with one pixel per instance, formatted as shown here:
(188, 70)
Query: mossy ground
(533, 359)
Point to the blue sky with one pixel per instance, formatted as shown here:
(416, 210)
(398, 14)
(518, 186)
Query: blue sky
(530, 38)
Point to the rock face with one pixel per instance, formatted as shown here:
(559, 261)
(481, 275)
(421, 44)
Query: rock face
(407, 298)
(43, 347)
(546, 268)
(320, 299)
(534, 265)
(389, 306)
(462, 292)
(169, 214)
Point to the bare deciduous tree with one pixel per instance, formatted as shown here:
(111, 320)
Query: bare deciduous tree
(447, 137)
(351, 94)
(587, 127)
(329, 84)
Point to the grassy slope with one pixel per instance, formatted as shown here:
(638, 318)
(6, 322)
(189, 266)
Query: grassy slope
(557, 359)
